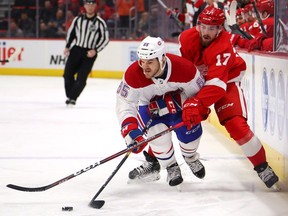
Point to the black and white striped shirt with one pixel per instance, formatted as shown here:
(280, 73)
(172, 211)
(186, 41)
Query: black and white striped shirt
(90, 33)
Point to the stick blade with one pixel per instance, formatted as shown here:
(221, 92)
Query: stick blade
(26, 189)
(97, 204)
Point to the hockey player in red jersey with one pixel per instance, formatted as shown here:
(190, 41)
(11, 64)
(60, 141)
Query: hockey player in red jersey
(154, 87)
(262, 40)
(209, 48)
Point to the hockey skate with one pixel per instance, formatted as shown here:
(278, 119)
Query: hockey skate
(174, 176)
(149, 171)
(267, 175)
(70, 103)
(196, 166)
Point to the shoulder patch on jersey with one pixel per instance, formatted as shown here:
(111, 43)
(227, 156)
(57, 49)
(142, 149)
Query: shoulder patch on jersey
(200, 82)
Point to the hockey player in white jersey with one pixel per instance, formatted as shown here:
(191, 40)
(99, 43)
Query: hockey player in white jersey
(154, 87)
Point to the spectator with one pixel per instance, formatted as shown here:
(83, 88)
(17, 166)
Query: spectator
(59, 23)
(46, 31)
(26, 24)
(18, 7)
(69, 18)
(155, 20)
(123, 11)
(47, 12)
(15, 31)
(74, 7)
(140, 7)
(105, 11)
(143, 25)
(61, 5)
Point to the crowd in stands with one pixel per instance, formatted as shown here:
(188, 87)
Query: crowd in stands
(55, 17)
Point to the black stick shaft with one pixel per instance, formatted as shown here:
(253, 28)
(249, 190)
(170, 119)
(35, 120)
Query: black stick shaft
(110, 177)
(259, 18)
(44, 188)
(100, 204)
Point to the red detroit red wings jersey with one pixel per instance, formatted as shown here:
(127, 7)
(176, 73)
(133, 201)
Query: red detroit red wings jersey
(268, 24)
(219, 63)
(136, 90)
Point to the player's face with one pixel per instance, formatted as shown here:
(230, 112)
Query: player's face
(150, 67)
(240, 20)
(208, 33)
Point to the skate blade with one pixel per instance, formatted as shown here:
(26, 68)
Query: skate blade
(276, 187)
(150, 178)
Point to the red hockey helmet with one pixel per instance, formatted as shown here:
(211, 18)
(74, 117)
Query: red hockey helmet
(212, 16)
(239, 12)
(248, 8)
(266, 5)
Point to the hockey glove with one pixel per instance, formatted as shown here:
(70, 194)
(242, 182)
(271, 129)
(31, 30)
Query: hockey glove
(133, 135)
(166, 104)
(193, 112)
(255, 43)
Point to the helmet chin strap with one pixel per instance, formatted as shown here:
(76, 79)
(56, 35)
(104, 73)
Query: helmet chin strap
(161, 68)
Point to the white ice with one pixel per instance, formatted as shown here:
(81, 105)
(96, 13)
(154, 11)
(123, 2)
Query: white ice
(42, 141)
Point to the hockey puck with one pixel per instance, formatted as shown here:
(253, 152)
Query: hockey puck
(67, 208)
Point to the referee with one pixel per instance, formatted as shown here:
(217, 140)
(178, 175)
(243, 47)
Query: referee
(86, 37)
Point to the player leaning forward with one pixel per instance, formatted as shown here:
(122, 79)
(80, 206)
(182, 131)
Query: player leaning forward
(208, 46)
(154, 87)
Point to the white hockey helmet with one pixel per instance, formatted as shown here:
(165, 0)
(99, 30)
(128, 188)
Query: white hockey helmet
(151, 47)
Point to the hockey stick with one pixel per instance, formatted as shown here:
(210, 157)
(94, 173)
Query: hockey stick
(46, 187)
(235, 29)
(13, 57)
(259, 18)
(177, 21)
(231, 21)
(99, 203)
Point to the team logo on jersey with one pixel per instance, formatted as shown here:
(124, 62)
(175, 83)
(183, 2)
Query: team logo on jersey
(92, 28)
(200, 82)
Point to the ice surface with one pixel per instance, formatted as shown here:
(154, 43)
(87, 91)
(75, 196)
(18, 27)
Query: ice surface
(43, 141)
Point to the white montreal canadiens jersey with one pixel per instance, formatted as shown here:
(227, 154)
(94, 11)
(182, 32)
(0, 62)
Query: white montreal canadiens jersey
(136, 90)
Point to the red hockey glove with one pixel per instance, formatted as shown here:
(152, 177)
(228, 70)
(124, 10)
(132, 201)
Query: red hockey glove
(237, 40)
(255, 43)
(133, 135)
(193, 112)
